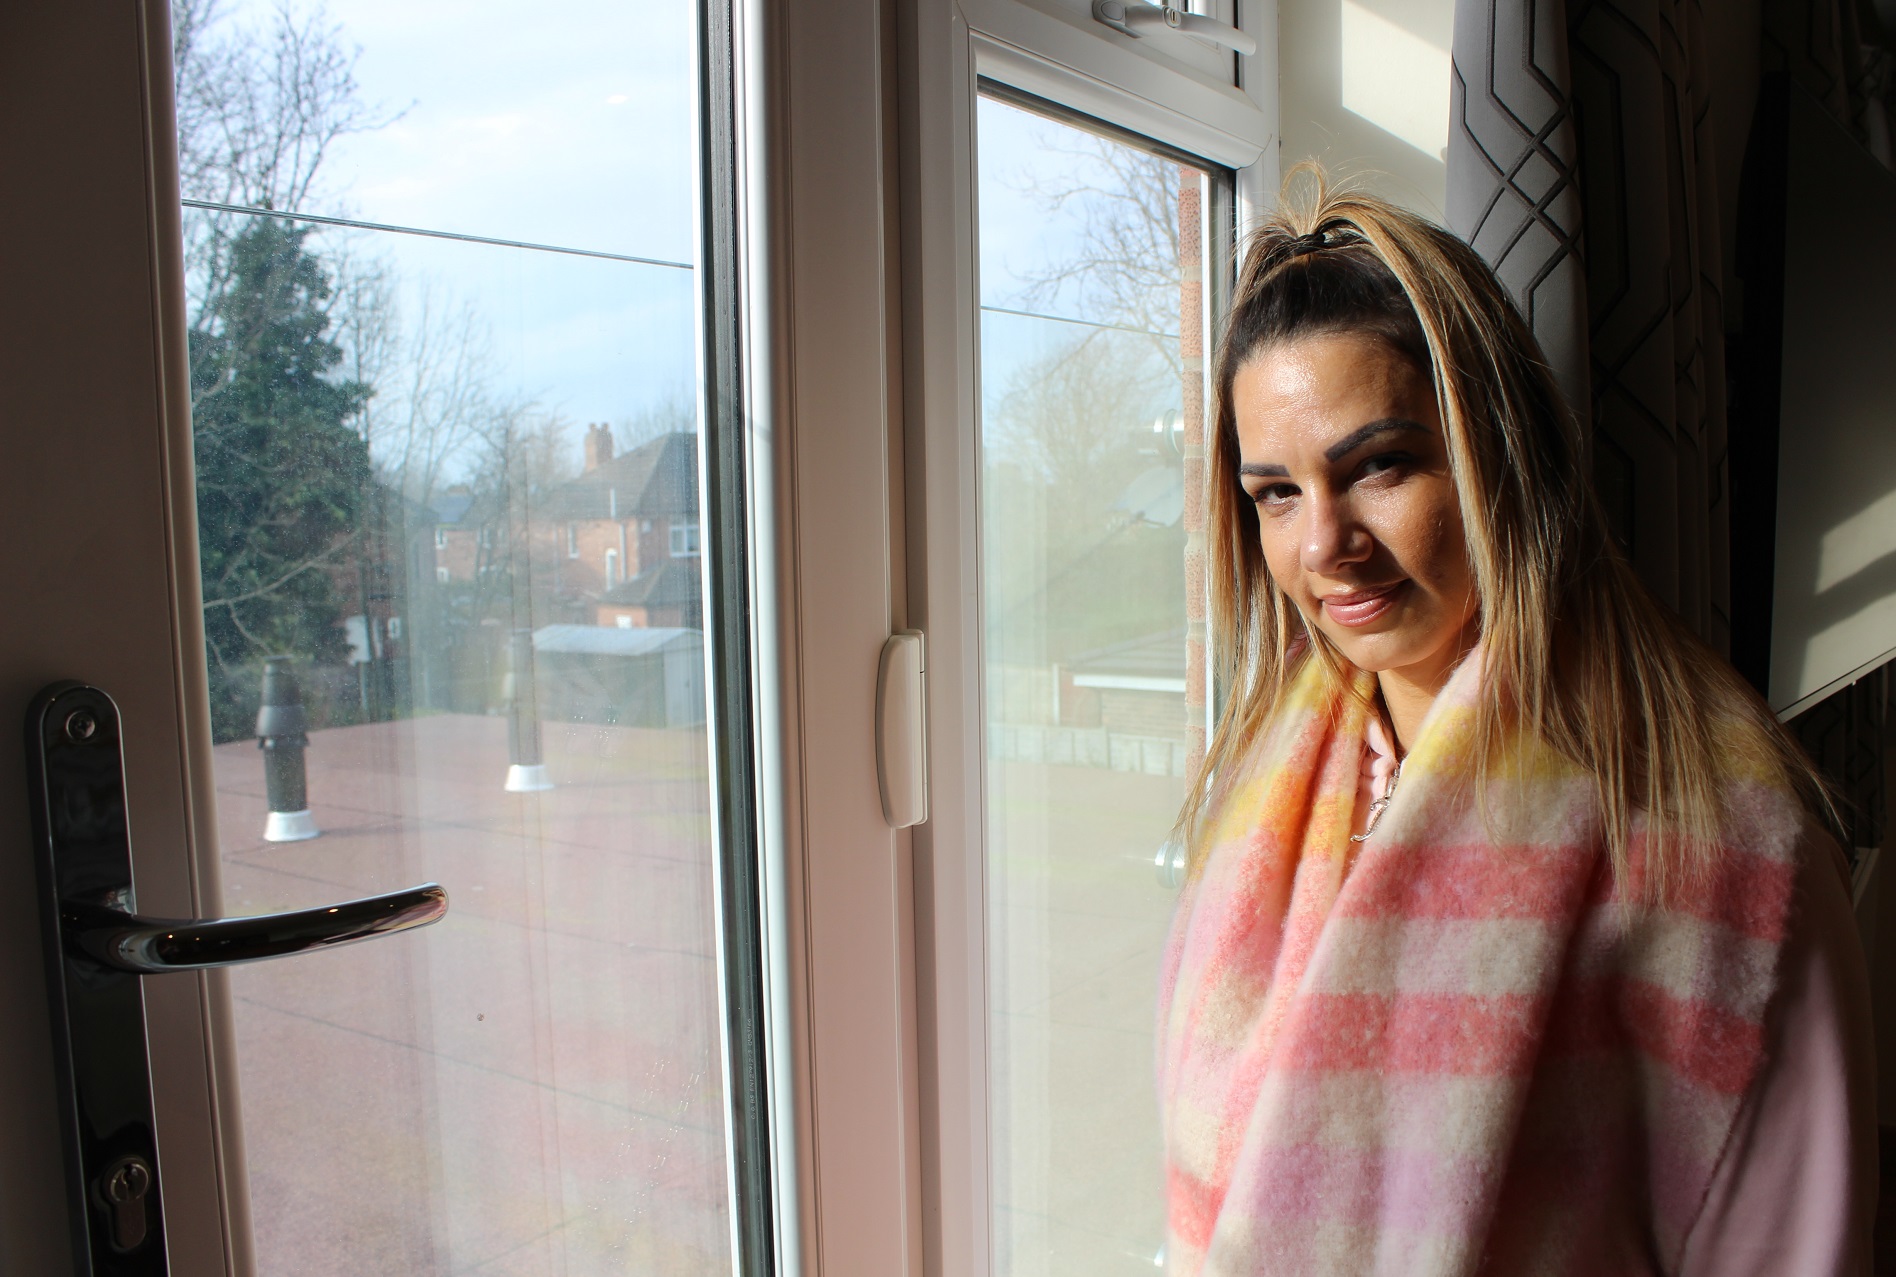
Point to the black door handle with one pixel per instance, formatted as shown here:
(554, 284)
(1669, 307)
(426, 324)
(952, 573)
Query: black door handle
(97, 947)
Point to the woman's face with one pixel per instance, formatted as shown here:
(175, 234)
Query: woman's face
(1342, 452)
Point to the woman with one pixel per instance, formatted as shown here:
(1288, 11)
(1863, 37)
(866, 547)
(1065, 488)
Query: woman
(1510, 943)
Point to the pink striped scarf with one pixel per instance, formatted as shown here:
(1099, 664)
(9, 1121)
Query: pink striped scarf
(1435, 1053)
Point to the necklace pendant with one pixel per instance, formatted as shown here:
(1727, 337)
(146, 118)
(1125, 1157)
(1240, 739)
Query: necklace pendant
(1378, 807)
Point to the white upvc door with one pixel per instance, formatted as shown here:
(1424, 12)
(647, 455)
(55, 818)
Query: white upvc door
(392, 429)
(696, 1007)
(1070, 197)
(94, 394)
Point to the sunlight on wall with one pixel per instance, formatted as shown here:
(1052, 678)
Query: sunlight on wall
(1856, 543)
(1834, 581)
(1363, 88)
(1395, 79)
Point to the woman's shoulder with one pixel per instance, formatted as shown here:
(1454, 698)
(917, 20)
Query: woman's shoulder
(1804, 1146)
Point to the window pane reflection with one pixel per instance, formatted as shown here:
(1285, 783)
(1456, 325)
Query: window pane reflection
(448, 498)
(1092, 373)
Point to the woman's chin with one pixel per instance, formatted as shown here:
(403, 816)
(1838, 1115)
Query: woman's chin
(1383, 651)
(1424, 655)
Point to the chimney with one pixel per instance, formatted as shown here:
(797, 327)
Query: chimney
(598, 445)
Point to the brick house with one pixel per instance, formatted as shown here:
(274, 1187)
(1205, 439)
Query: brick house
(666, 595)
(624, 535)
(456, 535)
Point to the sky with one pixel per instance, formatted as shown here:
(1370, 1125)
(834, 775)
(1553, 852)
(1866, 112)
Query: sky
(1020, 235)
(572, 124)
(568, 124)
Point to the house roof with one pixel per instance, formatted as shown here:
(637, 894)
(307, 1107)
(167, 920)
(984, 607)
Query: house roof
(1157, 497)
(608, 640)
(452, 507)
(656, 479)
(1150, 656)
(673, 581)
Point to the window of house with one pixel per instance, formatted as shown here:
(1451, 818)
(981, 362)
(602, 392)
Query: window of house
(612, 568)
(684, 539)
(572, 540)
(441, 538)
(443, 575)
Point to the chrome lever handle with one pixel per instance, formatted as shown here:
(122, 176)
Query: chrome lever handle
(96, 948)
(153, 946)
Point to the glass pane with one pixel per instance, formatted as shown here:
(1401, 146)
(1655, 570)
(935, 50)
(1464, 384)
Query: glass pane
(1092, 369)
(449, 527)
(492, 117)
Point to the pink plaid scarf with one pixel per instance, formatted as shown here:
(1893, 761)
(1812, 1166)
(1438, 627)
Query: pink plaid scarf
(1437, 1053)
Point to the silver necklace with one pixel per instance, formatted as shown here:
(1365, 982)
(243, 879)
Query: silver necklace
(1380, 805)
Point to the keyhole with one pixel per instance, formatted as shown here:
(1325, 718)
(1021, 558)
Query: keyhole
(124, 1187)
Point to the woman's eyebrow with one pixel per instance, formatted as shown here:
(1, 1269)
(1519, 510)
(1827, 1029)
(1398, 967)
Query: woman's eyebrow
(1342, 447)
(1357, 438)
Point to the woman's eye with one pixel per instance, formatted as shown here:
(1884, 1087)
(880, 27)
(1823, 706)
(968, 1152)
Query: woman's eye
(1274, 494)
(1386, 461)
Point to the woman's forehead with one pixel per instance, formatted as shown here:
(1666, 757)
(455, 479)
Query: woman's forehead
(1319, 390)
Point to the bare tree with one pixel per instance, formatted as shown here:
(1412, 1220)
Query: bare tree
(1075, 420)
(434, 402)
(258, 113)
(675, 410)
(1123, 267)
(1069, 565)
(524, 454)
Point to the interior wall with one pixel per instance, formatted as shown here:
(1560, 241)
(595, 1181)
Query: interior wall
(1363, 89)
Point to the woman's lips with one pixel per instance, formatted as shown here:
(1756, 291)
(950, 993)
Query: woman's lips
(1360, 607)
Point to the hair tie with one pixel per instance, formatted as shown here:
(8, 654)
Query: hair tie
(1330, 235)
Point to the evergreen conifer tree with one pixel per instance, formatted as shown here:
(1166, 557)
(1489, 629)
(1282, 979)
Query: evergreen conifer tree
(283, 476)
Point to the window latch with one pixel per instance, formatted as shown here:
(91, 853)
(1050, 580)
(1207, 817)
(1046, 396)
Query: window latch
(902, 729)
(1135, 18)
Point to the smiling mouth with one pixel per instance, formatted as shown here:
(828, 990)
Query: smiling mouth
(1360, 607)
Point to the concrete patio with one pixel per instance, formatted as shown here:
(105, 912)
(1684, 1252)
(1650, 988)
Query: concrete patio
(532, 1086)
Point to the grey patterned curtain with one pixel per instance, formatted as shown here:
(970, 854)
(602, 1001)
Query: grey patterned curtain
(1580, 165)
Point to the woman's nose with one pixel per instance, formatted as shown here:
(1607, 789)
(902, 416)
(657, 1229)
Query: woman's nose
(1332, 538)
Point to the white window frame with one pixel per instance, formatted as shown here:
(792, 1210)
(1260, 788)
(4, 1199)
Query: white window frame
(862, 324)
(683, 540)
(1062, 58)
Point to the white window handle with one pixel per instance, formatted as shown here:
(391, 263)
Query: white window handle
(902, 729)
(1136, 18)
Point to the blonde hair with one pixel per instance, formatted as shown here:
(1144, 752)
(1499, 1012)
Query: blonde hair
(1578, 654)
